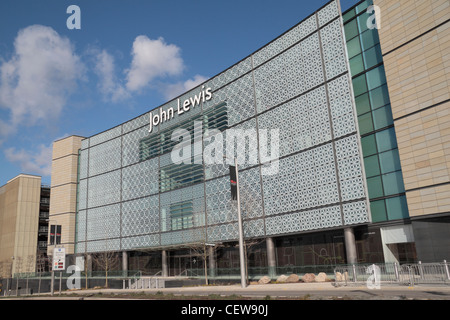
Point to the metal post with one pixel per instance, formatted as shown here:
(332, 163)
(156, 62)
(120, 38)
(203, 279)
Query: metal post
(52, 284)
(420, 270)
(240, 230)
(446, 270)
(60, 281)
(397, 278)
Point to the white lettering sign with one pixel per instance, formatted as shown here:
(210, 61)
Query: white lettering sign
(182, 107)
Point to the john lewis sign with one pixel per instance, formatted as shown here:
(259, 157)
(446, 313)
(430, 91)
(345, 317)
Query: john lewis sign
(182, 107)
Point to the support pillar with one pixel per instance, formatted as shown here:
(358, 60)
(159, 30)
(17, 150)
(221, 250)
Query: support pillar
(271, 259)
(350, 245)
(212, 262)
(125, 263)
(165, 269)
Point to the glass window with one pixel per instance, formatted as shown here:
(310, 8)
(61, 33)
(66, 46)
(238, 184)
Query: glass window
(356, 64)
(376, 77)
(386, 140)
(365, 123)
(362, 103)
(369, 38)
(359, 85)
(389, 161)
(351, 29)
(378, 210)
(181, 215)
(363, 6)
(382, 117)
(362, 22)
(348, 15)
(397, 208)
(393, 183)
(368, 145)
(372, 166)
(379, 97)
(353, 47)
(372, 56)
(375, 187)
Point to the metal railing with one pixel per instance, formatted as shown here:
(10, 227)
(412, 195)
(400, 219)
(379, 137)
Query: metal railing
(151, 282)
(392, 273)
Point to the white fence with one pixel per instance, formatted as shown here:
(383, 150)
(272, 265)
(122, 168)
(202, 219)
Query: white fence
(374, 275)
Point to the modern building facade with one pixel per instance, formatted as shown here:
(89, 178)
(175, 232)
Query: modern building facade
(24, 205)
(62, 211)
(324, 175)
(415, 41)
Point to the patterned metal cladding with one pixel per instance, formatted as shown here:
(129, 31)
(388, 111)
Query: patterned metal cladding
(298, 84)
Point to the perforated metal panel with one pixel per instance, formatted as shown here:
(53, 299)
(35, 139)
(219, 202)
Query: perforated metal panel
(297, 87)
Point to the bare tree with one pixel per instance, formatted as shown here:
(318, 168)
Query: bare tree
(202, 248)
(30, 266)
(106, 261)
(19, 264)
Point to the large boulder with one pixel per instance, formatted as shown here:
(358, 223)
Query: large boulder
(341, 277)
(282, 278)
(264, 280)
(321, 277)
(292, 278)
(308, 277)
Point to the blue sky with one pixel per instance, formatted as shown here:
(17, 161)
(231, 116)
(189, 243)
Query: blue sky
(128, 58)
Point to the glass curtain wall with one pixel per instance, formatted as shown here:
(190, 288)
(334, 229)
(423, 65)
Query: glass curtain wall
(379, 143)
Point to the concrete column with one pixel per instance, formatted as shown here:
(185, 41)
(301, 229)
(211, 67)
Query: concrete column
(165, 269)
(212, 262)
(125, 262)
(271, 259)
(350, 245)
(89, 264)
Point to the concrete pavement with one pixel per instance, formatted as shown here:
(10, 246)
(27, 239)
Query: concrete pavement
(306, 291)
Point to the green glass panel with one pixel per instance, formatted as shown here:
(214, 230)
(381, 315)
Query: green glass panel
(356, 64)
(386, 140)
(353, 47)
(372, 57)
(362, 22)
(359, 85)
(365, 123)
(372, 166)
(348, 15)
(376, 77)
(362, 103)
(368, 145)
(363, 6)
(379, 97)
(351, 29)
(369, 38)
(397, 208)
(378, 210)
(375, 187)
(393, 183)
(389, 161)
(382, 117)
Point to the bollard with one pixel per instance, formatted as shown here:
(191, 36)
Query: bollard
(446, 269)
(420, 269)
(397, 278)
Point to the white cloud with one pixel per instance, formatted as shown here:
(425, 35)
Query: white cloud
(173, 90)
(36, 82)
(39, 163)
(152, 59)
(109, 85)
